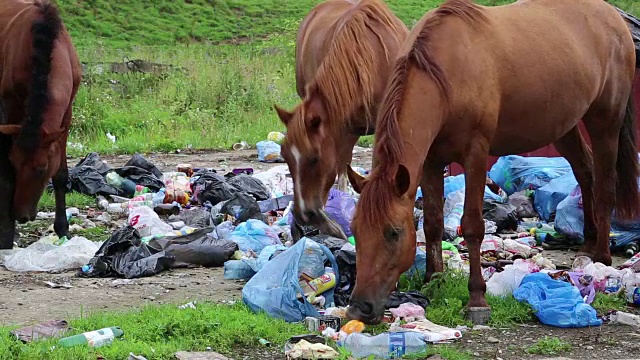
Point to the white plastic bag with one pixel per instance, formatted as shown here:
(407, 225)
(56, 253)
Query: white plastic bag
(42, 257)
(147, 222)
(506, 282)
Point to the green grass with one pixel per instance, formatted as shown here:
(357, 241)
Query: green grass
(603, 303)
(157, 332)
(227, 93)
(448, 294)
(549, 346)
(48, 203)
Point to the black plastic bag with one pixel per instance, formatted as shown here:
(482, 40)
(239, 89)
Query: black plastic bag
(197, 248)
(197, 217)
(398, 298)
(504, 215)
(634, 26)
(141, 176)
(250, 185)
(248, 208)
(346, 261)
(93, 160)
(213, 188)
(124, 255)
(138, 160)
(332, 243)
(523, 204)
(88, 181)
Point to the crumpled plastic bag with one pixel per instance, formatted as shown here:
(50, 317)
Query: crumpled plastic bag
(276, 180)
(504, 215)
(312, 261)
(398, 298)
(523, 204)
(147, 222)
(254, 235)
(88, 177)
(506, 282)
(569, 219)
(275, 287)
(269, 152)
(250, 185)
(556, 303)
(549, 196)
(243, 207)
(340, 208)
(196, 248)
(40, 257)
(141, 176)
(408, 310)
(197, 217)
(346, 261)
(516, 173)
(212, 187)
(139, 161)
(124, 255)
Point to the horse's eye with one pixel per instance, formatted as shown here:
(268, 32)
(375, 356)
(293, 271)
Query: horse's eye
(314, 160)
(393, 233)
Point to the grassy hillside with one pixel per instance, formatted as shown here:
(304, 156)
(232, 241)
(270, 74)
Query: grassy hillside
(165, 22)
(239, 61)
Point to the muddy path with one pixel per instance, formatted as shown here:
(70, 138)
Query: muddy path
(27, 298)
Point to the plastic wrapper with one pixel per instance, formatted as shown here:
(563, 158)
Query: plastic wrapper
(269, 152)
(254, 235)
(275, 287)
(556, 303)
(196, 248)
(40, 257)
(515, 173)
(147, 222)
(504, 283)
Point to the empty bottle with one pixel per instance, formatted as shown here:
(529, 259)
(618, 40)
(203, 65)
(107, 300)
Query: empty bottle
(115, 180)
(158, 198)
(92, 338)
(102, 203)
(387, 345)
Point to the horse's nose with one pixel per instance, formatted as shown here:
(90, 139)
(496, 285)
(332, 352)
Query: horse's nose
(362, 310)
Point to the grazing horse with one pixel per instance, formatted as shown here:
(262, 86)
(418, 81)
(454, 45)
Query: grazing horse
(345, 51)
(40, 74)
(472, 81)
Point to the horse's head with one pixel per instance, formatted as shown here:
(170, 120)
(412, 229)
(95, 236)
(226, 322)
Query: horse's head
(32, 168)
(310, 150)
(385, 240)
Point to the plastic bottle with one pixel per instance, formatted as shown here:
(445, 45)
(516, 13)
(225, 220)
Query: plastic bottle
(117, 208)
(141, 190)
(128, 186)
(386, 345)
(102, 203)
(621, 317)
(92, 338)
(158, 198)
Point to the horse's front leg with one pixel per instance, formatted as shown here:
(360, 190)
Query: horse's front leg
(7, 189)
(60, 179)
(433, 192)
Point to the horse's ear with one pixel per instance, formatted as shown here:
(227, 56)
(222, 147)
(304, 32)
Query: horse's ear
(284, 115)
(356, 180)
(10, 129)
(403, 180)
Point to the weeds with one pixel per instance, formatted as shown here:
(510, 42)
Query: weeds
(603, 303)
(549, 346)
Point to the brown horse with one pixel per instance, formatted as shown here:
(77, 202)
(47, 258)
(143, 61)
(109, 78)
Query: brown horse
(40, 75)
(473, 81)
(345, 51)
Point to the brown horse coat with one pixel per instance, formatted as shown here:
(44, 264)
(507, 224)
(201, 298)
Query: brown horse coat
(472, 81)
(344, 53)
(39, 77)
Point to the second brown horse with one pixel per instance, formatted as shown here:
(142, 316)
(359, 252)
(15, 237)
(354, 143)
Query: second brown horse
(345, 51)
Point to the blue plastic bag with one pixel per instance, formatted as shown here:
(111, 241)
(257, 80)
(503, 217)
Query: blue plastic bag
(273, 289)
(238, 270)
(455, 183)
(548, 197)
(516, 173)
(269, 152)
(419, 266)
(255, 235)
(570, 216)
(555, 302)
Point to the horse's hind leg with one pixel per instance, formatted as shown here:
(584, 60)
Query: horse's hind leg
(573, 147)
(7, 188)
(433, 191)
(60, 180)
(475, 163)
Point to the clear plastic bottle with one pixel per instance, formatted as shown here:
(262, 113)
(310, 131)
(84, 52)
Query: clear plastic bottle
(387, 345)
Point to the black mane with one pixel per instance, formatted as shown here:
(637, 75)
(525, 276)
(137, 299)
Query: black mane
(44, 32)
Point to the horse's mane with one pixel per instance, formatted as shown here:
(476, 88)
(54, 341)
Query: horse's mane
(44, 30)
(389, 147)
(346, 76)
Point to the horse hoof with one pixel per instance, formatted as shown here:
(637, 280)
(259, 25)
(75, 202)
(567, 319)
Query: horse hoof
(478, 315)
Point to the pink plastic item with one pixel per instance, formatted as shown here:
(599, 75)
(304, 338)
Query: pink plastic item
(408, 310)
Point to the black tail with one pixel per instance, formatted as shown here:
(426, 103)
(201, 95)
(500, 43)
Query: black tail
(44, 31)
(628, 196)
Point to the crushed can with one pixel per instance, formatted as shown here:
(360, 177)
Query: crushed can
(633, 295)
(322, 322)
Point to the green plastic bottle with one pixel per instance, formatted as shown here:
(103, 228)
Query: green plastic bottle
(352, 240)
(95, 338)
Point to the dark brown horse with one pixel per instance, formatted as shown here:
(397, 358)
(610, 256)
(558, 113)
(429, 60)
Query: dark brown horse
(473, 81)
(40, 75)
(345, 51)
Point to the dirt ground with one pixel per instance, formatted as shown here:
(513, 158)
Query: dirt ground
(26, 298)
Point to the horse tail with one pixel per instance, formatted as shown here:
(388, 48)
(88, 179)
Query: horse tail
(628, 195)
(44, 32)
